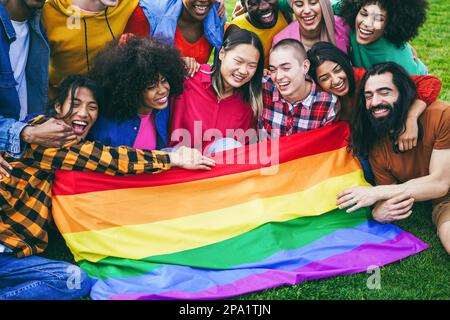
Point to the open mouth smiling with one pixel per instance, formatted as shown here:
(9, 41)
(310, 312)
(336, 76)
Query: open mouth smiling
(79, 126)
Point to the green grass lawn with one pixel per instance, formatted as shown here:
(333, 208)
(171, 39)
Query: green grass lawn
(423, 276)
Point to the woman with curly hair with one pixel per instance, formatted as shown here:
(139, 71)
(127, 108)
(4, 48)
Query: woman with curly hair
(139, 76)
(381, 29)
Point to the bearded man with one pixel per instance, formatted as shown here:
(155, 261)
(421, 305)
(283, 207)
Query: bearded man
(419, 174)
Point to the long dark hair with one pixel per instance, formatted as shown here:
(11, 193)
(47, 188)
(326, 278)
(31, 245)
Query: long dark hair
(68, 87)
(363, 136)
(252, 90)
(325, 51)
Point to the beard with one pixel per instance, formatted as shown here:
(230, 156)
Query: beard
(383, 126)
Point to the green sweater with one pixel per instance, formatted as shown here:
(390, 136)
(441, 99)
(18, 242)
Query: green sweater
(382, 50)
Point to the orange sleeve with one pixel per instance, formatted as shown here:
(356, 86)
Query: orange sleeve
(428, 88)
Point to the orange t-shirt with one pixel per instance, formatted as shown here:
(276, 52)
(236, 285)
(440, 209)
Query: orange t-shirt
(389, 167)
(200, 50)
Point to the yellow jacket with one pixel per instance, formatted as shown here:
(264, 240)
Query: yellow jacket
(76, 36)
(265, 35)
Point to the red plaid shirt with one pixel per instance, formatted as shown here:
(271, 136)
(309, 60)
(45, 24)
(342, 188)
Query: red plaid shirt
(318, 109)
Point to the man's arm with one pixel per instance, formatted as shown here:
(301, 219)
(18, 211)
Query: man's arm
(15, 134)
(10, 130)
(435, 185)
(432, 186)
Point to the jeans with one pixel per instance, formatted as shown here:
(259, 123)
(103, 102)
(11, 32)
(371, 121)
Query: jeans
(37, 278)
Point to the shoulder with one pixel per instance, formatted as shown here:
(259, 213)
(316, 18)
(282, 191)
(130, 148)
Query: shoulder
(340, 22)
(342, 31)
(240, 21)
(291, 31)
(437, 112)
(48, 9)
(157, 7)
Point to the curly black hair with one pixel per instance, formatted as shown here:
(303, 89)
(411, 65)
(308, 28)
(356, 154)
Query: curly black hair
(125, 70)
(403, 17)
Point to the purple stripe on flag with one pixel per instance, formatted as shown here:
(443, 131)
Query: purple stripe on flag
(357, 260)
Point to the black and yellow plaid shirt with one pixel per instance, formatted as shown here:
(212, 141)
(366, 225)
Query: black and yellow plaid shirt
(25, 197)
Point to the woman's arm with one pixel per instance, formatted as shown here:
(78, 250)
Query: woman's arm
(428, 90)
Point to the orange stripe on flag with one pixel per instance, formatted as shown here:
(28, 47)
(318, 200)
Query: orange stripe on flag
(113, 208)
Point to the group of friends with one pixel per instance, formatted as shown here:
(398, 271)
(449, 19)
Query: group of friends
(124, 87)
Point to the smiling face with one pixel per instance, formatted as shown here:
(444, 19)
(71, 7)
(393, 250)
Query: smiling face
(332, 78)
(288, 73)
(370, 23)
(308, 14)
(238, 65)
(84, 112)
(381, 95)
(156, 96)
(198, 9)
(262, 14)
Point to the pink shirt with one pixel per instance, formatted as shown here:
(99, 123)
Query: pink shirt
(198, 102)
(341, 33)
(146, 136)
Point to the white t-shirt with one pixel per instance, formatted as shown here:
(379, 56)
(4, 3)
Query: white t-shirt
(4, 249)
(18, 54)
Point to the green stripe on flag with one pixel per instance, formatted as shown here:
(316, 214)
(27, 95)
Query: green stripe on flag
(251, 246)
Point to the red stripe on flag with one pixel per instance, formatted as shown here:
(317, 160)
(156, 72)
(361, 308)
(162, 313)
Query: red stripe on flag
(290, 148)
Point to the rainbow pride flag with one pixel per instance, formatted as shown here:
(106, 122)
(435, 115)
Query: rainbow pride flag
(235, 229)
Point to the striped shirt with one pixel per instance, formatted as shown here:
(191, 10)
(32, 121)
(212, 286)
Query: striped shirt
(25, 197)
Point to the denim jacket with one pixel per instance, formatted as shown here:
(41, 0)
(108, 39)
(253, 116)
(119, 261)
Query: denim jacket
(37, 80)
(123, 133)
(163, 15)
